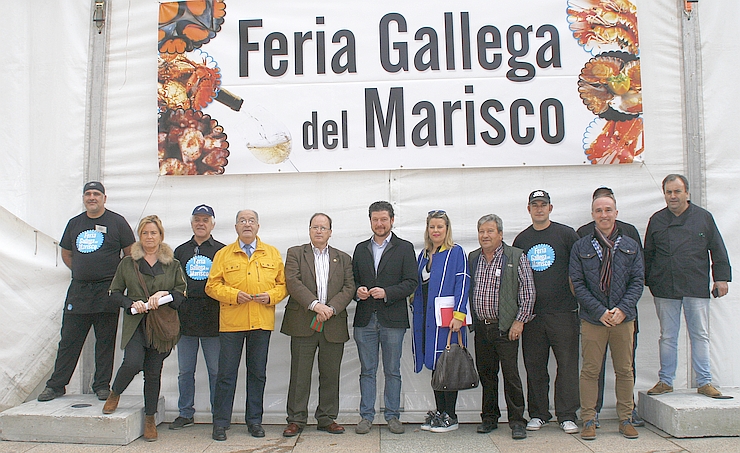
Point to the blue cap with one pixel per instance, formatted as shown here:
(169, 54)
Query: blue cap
(204, 209)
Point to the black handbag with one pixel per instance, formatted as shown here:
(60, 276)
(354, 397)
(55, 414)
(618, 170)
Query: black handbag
(455, 369)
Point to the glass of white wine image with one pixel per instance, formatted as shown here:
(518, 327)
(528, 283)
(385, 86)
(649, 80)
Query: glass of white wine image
(266, 137)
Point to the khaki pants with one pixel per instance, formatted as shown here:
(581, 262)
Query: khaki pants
(594, 339)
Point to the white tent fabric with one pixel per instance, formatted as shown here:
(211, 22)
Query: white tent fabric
(43, 143)
(34, 281)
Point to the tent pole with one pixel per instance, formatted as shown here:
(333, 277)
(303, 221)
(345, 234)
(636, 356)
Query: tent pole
(693, 118)
(97, 68)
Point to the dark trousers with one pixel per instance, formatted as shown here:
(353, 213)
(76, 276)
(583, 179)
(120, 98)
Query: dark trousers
(493, 349)
(232, 343)
(602, 374)
(446, 402)
(302, 354)
(559, 331)
(74, 331)
(139, 357)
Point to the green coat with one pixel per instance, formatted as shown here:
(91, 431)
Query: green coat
(126, 281)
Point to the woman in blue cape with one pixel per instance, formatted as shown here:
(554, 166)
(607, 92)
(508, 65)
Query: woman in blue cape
(444, 281)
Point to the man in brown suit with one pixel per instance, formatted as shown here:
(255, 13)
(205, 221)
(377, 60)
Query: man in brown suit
(320, 283)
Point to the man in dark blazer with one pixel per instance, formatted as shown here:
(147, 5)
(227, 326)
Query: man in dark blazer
(319, 280)
(384, 269)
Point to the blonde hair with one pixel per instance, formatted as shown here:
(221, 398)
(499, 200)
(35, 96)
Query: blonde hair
(447, 242)
(150, 219)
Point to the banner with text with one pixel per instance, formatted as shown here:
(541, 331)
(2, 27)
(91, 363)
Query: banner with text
(285, 86)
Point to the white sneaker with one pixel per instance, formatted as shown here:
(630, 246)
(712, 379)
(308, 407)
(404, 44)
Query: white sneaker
(569, 427)
(535, 424)
(429, 420)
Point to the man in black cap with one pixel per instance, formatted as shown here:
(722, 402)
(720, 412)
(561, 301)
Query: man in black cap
(555, 326)
(91, 247)
(198, 313)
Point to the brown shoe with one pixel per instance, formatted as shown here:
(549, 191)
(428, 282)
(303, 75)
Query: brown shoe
(111, 404)
(627, 430)
(292, 430)
(709, 390)
(660, 388)
(334, 428)
(589, 430)
(150, 428)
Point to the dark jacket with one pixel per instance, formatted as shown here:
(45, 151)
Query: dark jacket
(627, 279)
(198, 313)
(677, 254)
(396, 275)
(300, 280)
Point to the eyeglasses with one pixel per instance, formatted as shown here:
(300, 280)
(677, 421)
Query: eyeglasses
(246, 222)
(319, 228)
(437, 212)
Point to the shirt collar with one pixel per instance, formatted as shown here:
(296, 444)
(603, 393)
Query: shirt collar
(253, 244)
(384, 243)
(317, 251)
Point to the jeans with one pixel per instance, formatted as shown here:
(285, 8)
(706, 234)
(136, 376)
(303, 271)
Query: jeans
(696, 312)
(559, 331)
(139, 357)
(232, 343)
(390, 339)
(594, 340)
(187, 358)
(74, 332)
(493, 349)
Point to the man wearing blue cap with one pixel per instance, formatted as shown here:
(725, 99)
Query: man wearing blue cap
(198, 313)
(91, 247)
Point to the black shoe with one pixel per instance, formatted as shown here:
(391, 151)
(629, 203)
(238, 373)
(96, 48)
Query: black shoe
(219, 433)
(256, 430)
(487, 426)
(181, 422)
(518, 432)
(49, 394)
(102, 394)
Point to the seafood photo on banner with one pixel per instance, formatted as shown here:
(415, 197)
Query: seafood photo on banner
(609, 84)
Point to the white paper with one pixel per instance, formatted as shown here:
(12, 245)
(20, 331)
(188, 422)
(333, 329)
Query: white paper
(162, 301)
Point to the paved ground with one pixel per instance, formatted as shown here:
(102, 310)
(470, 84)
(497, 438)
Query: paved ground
(549, 439)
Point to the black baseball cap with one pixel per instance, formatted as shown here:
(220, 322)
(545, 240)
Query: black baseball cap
(539, 195)
(94, 185)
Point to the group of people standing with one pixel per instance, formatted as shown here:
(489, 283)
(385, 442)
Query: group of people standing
(553, 289)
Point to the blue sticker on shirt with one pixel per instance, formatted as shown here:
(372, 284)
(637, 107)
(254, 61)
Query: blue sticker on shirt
(89, 240)
(541, 257)
(198, 267)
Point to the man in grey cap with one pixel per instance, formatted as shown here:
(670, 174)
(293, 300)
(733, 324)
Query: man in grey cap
(198, 313)
(91, 247)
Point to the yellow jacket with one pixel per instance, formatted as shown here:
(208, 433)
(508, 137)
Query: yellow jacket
(233, 271)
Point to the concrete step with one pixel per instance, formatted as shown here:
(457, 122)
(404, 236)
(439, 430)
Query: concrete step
(77, 419)
(686, 413)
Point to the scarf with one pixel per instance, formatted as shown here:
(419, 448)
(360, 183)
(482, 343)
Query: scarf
(605, 248)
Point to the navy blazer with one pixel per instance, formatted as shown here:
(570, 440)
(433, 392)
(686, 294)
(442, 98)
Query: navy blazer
(396, 275)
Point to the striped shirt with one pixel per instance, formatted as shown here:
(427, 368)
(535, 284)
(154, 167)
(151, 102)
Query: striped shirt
(321, 264)
(488, 283)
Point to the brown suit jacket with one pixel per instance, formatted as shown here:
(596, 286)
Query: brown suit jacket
(300, 279)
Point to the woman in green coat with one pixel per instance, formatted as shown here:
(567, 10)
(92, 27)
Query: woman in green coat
(162, 275)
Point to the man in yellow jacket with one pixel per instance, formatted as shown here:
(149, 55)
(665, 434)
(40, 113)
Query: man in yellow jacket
(248, 279)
